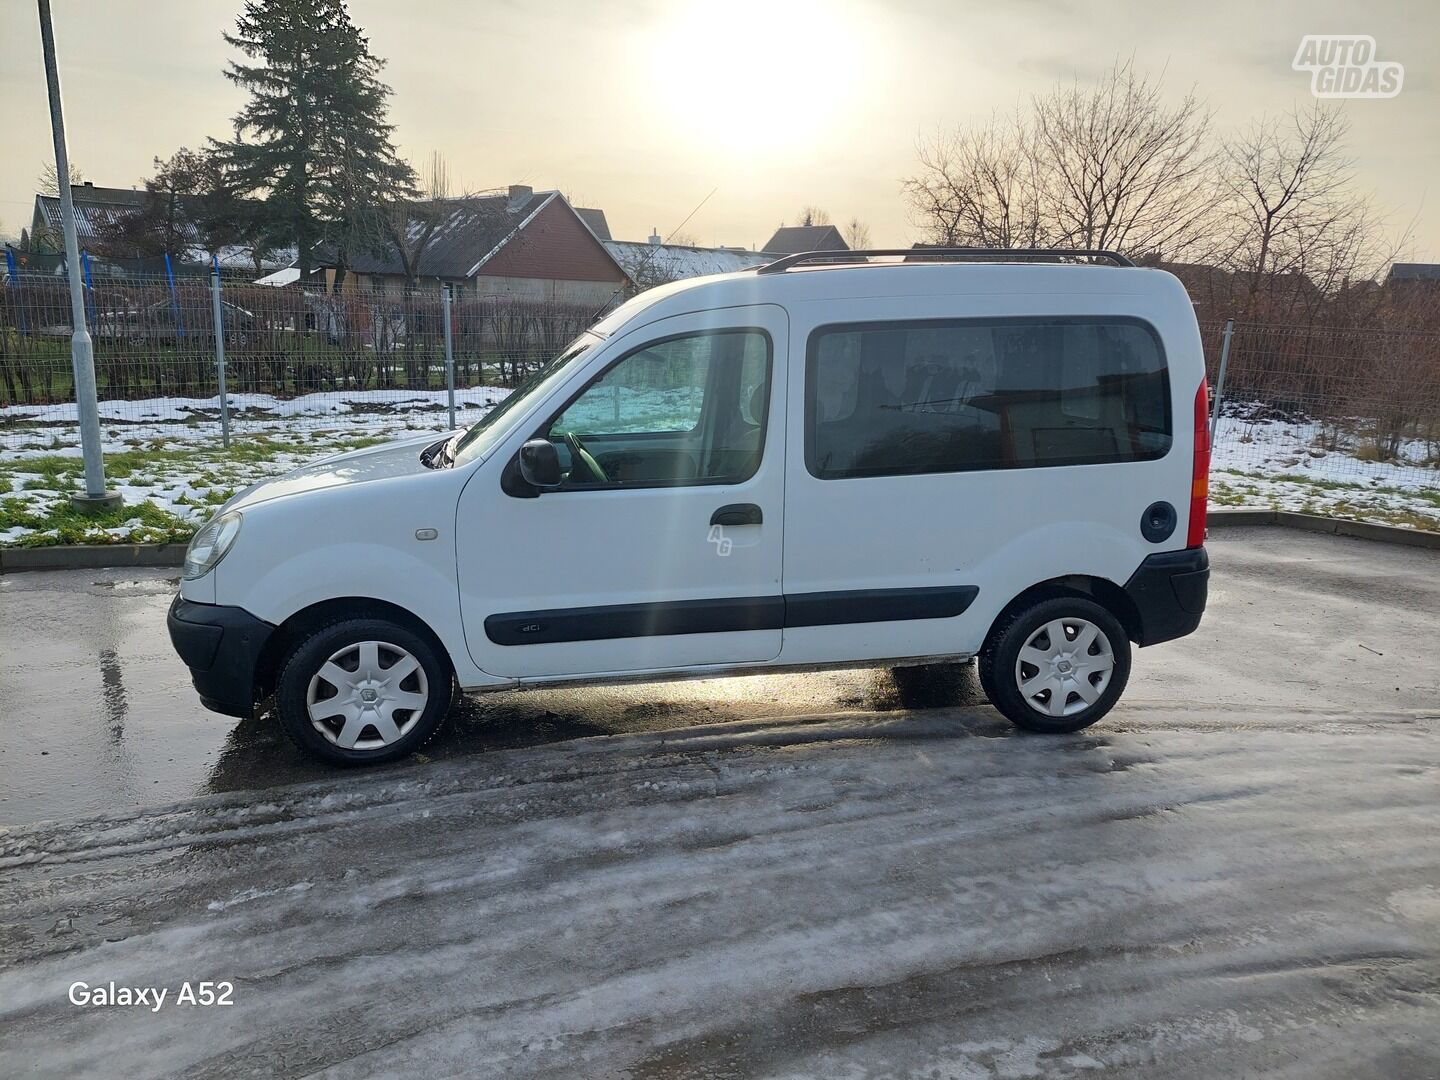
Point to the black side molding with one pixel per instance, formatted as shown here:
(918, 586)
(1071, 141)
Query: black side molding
(1169, 590)
(636, 620)
(726, 614)
(877, 605)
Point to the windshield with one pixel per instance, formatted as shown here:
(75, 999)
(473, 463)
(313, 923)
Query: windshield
(482, 435)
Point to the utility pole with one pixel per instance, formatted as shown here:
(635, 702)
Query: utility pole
(82, 353)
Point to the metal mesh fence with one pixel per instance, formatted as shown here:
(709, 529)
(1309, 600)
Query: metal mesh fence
(1328, 405)
(294, 360)
(1305, 409)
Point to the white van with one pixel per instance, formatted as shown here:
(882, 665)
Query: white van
(813, 463)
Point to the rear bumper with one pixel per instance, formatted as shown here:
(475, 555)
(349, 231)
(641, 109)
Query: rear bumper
(221, 646)
(1169, 591)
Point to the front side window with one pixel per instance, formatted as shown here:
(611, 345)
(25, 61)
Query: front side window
(686, 409)
(885, 399)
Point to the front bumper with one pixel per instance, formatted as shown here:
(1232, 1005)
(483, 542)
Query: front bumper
(1169, 591)
(221, 646)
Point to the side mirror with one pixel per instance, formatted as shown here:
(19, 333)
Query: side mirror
(540, 464)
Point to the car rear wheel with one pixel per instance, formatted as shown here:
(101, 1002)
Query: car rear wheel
(1056, 666)
(362, 691)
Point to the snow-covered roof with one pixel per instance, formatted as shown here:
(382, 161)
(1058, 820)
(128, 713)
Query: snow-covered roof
(674, 262)
(288, 276)
(239, 257)
(100, 208)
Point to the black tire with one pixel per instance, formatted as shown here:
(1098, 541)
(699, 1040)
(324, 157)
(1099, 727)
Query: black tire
(982, 672)
(1002, 652)
(309, 654)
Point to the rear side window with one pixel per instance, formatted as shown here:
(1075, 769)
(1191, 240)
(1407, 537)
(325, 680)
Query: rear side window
(897, 398)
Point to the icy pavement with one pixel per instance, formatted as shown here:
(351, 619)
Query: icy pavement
(852, 896)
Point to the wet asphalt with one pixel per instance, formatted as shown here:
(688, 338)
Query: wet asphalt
(102, 716)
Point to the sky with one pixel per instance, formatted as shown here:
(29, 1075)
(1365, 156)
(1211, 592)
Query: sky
(754, 108)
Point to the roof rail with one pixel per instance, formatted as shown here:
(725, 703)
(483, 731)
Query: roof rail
(779, 266)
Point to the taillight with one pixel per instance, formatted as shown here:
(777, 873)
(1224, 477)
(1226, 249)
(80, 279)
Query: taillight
(1200, 475)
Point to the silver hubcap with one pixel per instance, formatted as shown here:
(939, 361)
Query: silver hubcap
(367, 695)
(1064, 667)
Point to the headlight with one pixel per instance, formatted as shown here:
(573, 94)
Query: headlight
(215, 538)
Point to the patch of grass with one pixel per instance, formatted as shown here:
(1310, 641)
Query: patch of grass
(18, 513)
(1384, 515)
(1222, 494)
(48, 472)
(1329, 498)
(1430, 495)
(144, 522)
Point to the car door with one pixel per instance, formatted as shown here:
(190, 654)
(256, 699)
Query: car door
(661, 548)
(947, 454)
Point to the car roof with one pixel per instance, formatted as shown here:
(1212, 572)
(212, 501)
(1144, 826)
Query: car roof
(850, 281)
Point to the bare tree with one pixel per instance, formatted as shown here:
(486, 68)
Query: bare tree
(44, 237)
(48, 182)
(1103, 166)
(857, 234)
(978, 188)
(813, 215)
(1294, 228)
(409, 227)
(1119, 168)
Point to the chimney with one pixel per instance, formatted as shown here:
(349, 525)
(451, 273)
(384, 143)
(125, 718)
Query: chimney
(89, 183)
(519, 195)
(654, 236)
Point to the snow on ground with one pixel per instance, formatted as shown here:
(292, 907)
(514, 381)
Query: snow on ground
(1285, 464)
(176, 463)
(166, 455)
(1276, 446)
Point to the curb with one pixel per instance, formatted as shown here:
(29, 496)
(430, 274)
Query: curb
(107, 556)
(1220, 518)
(90, 557)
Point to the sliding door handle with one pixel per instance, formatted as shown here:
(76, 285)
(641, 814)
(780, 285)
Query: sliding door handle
(737, 514)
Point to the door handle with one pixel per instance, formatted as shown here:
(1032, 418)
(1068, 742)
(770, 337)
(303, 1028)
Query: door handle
(737, 514)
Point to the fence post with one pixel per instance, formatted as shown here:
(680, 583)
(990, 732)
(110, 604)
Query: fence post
(445, 300)
(1220, 380)
(174, 300)
(217, 312)
(21, 323)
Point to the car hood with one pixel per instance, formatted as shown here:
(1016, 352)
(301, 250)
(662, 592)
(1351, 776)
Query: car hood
(356, 467)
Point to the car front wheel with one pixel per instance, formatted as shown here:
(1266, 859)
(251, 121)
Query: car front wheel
(1056, 666)
(362, 691)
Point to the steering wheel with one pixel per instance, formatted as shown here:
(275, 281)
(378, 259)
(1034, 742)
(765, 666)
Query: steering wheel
(580, 458)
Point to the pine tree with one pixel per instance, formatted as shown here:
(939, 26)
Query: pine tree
(313, 139)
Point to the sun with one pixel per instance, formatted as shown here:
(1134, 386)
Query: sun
(756, 75)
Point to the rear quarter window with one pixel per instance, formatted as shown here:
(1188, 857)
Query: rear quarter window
(898, 398)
